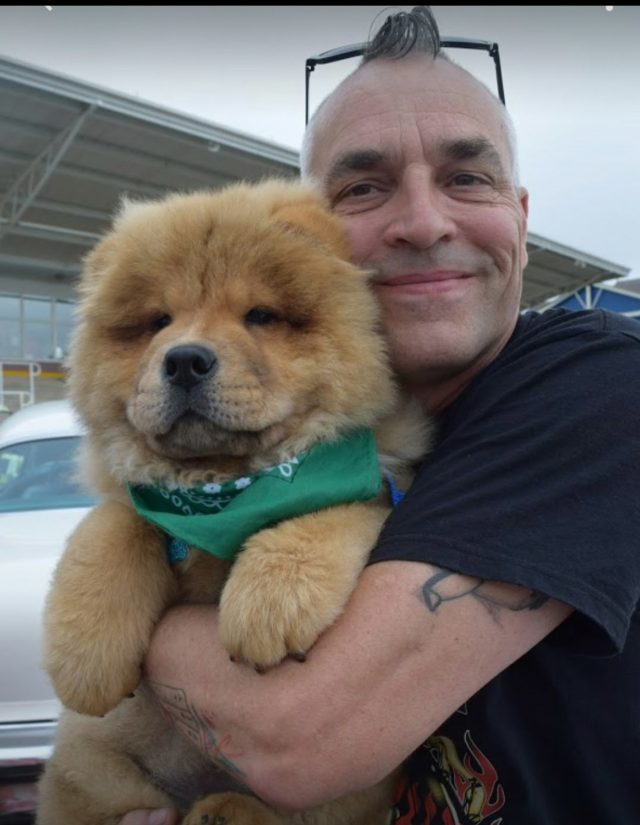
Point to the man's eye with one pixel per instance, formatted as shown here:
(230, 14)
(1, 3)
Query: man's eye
(467, 179)
(360, 190)
(356, 191)
(362, 196)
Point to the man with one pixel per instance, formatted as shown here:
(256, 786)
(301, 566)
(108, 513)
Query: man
(491, 643)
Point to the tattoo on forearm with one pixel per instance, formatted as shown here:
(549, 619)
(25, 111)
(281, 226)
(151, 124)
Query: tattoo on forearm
(196, 726)
(446, 586)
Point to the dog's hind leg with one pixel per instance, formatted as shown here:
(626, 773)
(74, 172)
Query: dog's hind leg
(89, 781)
(63, 799)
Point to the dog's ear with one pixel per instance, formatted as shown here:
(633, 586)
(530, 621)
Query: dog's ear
(309, 214)
(127, 208)
(103, 256)
(97, 262)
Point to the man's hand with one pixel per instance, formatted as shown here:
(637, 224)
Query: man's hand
(159, 816)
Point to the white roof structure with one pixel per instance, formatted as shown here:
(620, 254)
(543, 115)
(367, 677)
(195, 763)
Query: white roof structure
(68, 151)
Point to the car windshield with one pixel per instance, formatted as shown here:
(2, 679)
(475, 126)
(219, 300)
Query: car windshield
(40, 475)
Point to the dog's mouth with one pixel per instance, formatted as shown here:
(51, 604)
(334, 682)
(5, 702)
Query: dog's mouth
(210, 419)
(193, 435)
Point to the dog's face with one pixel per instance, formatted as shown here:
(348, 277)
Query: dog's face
(228, 324)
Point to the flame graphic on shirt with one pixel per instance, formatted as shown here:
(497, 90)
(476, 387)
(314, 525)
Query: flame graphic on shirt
(456, 791)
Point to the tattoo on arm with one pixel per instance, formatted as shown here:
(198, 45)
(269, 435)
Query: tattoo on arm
(195, 725)
(446, 586)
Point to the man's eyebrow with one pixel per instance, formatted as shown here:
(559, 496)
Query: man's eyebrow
(359, 160)
(471, 148)
(363, 160)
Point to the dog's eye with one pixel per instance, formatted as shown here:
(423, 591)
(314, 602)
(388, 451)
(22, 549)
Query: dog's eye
(159, 323)
(261, 317)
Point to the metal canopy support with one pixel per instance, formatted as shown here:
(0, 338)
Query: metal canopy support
(39, 266)
(69, 89)
(56, 233)
(23, 192)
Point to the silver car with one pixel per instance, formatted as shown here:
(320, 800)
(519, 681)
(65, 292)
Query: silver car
(40, 504)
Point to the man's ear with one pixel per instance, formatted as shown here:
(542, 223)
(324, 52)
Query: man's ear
(523, 197)
(524, 207)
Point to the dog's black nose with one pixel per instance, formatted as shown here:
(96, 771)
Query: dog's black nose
(188, 365)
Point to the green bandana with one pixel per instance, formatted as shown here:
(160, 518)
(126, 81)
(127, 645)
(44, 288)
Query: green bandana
(218, 518)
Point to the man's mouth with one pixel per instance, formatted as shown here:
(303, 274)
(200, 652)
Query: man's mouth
(425, 283)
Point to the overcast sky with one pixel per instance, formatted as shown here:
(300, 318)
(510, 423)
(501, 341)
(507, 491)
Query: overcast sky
(571, 75)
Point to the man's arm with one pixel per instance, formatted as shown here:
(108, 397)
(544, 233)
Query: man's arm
(414, 643)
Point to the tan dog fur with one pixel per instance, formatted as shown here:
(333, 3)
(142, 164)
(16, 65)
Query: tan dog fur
(188, 270)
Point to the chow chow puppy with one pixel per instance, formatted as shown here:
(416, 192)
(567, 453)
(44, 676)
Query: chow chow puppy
(227, 354)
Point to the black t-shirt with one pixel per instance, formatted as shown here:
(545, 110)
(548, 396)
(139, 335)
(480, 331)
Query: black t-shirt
(535, 480)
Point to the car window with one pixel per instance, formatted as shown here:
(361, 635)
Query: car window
(40, 475)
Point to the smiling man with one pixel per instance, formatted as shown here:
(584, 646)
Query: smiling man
(493, 644)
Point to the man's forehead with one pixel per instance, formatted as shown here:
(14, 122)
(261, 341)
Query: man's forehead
(427, 82)
(440, 99)
(414, 71)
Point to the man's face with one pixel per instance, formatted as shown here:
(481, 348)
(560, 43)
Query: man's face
(414, 157)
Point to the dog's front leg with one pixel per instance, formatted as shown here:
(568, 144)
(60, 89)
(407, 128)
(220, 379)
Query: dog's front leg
(291, 582)
(109, 589)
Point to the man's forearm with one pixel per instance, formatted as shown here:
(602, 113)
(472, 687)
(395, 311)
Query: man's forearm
(412, 637)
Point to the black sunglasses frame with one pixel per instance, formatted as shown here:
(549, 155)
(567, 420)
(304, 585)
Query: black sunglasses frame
(357, 49)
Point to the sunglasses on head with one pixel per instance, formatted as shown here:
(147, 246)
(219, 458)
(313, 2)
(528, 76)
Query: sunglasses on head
(357, 50)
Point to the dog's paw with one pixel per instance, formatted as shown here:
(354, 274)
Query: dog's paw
(267, 627)
(92, 684)
(92, 663)
(274, 605)
(108, 591)
(230, 809)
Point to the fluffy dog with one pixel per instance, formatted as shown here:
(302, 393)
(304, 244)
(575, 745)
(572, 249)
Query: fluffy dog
(224, 342)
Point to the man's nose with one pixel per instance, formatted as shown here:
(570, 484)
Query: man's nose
(421, 215)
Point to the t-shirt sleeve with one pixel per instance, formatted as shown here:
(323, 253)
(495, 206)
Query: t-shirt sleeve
(535, 478)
